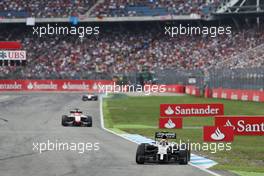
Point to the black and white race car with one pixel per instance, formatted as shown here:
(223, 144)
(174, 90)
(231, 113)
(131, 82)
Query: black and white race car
(163, 151)
(90, 97)
(76, 118)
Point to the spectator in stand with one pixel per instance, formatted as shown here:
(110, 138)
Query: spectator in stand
(124, 50)
(112, 8)
(106, 8)
(44, 8)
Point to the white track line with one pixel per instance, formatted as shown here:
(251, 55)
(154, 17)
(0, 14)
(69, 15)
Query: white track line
(110, 131)
(205, 170)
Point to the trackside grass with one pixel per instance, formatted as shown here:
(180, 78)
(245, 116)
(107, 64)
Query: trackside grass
(140, 115)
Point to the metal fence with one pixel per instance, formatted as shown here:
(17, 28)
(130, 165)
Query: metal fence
(226, 78)
(237, 79)
(174, 76)
(85, 75)
(252, 78)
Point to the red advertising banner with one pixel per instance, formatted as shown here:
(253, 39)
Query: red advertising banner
(170, 123)
(192, 90)
(242, 125)
(53, 85)
(182, 110)
(237, 94)
(10, 45)
(174, 88)
(101, 86)
(218, 134)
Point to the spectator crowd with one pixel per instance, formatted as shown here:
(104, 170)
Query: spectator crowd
(173, 7)
(44, 8)
(105, 8)
(125, 49)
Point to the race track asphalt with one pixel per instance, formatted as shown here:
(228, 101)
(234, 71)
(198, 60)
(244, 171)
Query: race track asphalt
(36, 118)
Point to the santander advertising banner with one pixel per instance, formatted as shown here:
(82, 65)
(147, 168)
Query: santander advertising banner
(70, 85)
(218, 134)
(237, 94)
(192, 90)
(242, 125)
(53, 85)
(182, 110)
(170, 123)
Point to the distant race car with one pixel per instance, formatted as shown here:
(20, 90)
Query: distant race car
(76, 118)
(90, 97)
(163, 151)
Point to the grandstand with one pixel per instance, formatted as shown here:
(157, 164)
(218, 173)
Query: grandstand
(131, 47)
(44, 9)
(124, 8)
(154, 7)
(59, 8)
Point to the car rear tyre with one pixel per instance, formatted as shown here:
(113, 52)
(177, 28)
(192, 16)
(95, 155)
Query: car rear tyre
(140, 154)
(189, 155)
(90, 121)
(64, 120)
(184, 157)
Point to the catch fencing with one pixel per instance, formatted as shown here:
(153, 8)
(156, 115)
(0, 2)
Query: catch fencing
(252, 78)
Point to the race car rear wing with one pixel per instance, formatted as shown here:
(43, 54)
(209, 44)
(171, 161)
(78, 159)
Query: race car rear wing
(169, 135)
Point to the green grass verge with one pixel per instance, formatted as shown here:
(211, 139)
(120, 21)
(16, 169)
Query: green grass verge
(140, 115)
(242, 173)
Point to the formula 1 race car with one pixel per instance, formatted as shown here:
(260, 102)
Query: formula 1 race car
(76, 118)
(163, 151)
(90, 97)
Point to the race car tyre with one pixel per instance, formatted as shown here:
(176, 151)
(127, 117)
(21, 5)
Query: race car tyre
(184, 157)
(187, 147)
(90, 121)
(64, 120)
(189, 155)
(140, 154)
(85, 99)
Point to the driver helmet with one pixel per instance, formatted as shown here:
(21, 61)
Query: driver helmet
(164, 140)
